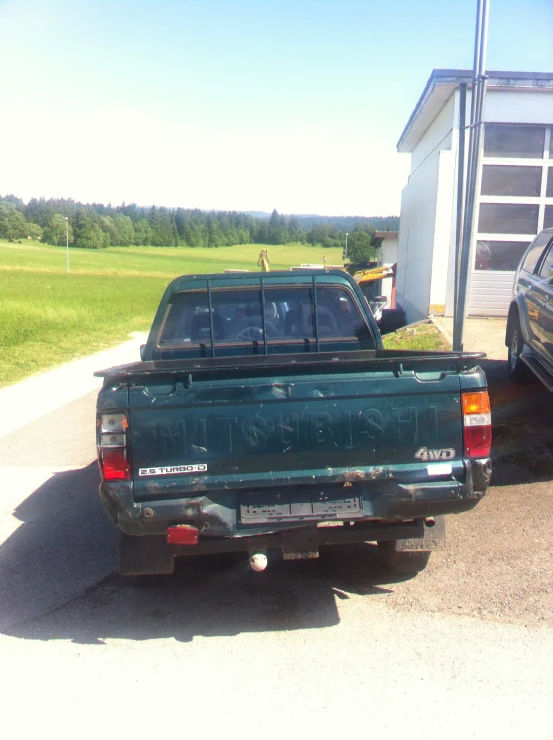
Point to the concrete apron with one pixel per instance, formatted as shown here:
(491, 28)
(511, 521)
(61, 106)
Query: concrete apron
(481, 335)
(27, 401)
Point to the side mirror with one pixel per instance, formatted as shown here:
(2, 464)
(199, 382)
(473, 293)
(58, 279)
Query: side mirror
(142, 348)
(550, 276)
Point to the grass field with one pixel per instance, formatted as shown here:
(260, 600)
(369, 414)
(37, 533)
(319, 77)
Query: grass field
(48, 317)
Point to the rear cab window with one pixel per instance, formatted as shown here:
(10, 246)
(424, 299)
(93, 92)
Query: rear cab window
(278, 316)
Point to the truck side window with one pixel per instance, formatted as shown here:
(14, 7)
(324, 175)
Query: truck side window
(535, 251)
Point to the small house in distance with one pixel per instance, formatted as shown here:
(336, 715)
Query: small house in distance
(514, 192)
(387, 255)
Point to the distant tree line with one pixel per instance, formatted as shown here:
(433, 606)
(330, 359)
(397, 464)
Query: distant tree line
(95, 226)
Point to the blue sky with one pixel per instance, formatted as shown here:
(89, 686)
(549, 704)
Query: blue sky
(228, 104)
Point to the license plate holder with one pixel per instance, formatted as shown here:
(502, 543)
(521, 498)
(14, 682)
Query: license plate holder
(262, 508)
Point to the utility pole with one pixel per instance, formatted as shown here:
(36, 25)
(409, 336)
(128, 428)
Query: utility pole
(465, 233)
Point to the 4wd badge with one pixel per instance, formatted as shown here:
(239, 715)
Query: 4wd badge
(430, 455)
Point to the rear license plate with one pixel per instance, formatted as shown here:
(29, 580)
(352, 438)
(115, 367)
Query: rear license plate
(259, 508)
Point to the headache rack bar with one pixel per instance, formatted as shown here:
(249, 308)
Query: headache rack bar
(356, 361)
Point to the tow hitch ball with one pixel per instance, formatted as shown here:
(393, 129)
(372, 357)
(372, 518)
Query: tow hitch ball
(258, 561)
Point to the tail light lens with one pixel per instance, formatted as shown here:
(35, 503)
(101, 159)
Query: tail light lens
(183, 534)
(112, 447)
(477, 424)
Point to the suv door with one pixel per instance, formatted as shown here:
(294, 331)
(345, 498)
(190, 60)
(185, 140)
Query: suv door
(530, 286)
(546, 310)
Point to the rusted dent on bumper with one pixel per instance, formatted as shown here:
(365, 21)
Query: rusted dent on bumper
(353, 475)
(481, 473)
(217, 513)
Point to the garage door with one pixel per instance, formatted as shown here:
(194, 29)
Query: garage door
(490, 293)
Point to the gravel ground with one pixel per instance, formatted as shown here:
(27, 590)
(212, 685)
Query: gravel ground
(498, 558)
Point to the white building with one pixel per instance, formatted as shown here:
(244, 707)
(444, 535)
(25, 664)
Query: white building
(387, 255)
(515, 190)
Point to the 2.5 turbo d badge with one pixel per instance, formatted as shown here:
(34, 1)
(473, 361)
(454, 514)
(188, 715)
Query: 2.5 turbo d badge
(425, 454)
(173, 470)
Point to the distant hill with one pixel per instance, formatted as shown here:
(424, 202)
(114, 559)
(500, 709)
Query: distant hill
(342, 223)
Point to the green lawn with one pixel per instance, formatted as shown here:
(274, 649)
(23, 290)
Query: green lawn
(48, 317)
(423, 337)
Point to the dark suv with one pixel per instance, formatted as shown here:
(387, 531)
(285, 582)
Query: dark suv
(529, 335)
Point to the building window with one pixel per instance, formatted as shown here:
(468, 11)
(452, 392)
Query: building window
(510, 180)
(492, 255)
(548, 218)
(508, 218)
(514, 141)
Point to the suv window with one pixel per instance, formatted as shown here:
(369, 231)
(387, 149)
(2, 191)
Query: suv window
(535, 251)
(547, 264)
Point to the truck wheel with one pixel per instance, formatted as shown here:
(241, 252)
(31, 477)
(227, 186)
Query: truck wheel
(518, 371)
(402, 563)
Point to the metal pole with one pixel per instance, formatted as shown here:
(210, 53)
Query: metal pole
(474, 95)
(346, 252)
(67, 242)
(460, 204)
(477, 108)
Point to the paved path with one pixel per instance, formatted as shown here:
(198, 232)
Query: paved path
(32, 398)
(481, 335)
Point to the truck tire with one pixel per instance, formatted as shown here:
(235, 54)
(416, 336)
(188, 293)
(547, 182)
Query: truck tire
(402, 563)
(517, 369)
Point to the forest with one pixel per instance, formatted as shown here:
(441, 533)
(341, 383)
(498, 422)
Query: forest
(96, 226)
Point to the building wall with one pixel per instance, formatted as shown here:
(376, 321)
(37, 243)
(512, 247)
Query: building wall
(416, 239)
(424, 234)
(519, 106)
(443, 235)
(437, 136)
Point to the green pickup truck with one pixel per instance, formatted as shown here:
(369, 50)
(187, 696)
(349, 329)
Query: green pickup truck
(265, 415)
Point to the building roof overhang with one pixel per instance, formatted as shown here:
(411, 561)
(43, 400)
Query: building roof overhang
(441, 85)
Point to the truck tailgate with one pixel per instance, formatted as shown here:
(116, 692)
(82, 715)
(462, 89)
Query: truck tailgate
(251, 432)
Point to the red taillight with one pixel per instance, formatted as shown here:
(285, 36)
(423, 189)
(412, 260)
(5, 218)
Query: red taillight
(114, 464)
(112, 447)
(183, 534)
(477, 424)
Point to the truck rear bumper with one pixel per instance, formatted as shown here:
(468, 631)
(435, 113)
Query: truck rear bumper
(221, 513)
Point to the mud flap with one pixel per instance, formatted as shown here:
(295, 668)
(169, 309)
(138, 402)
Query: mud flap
(433, 539)
(147, 555)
